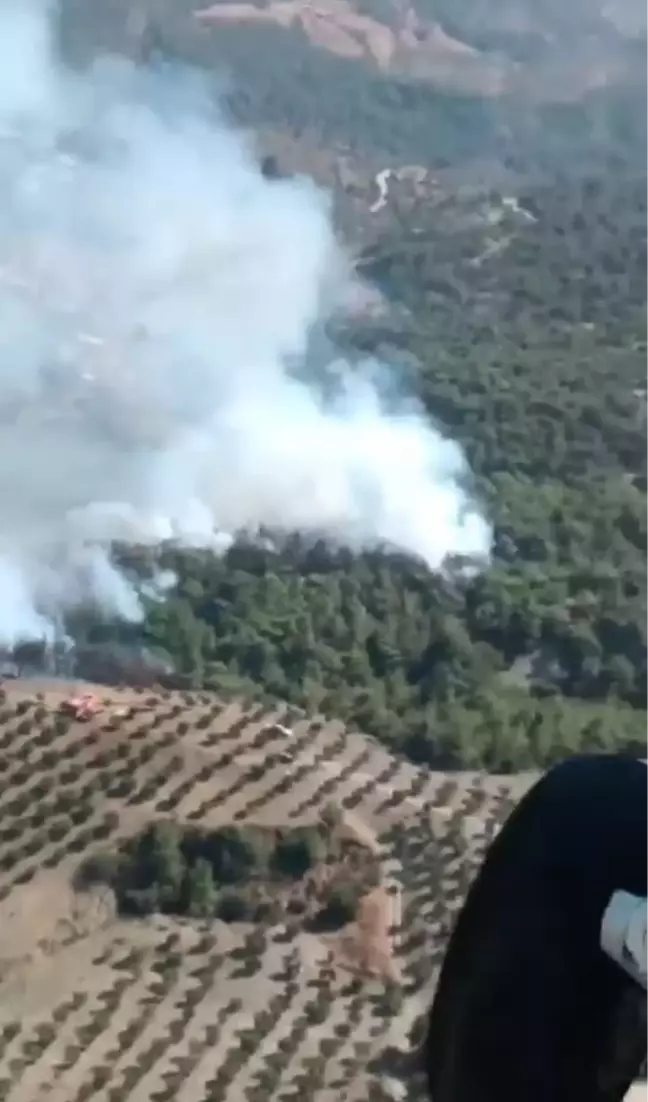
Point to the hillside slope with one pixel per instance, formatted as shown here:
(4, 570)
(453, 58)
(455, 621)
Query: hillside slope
(97, 1006)
(423, 82)
(545, 53)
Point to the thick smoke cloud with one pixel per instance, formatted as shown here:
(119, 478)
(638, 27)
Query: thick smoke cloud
(153, 289)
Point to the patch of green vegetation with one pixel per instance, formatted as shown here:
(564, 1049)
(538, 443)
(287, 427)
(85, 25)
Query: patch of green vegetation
(234, 873)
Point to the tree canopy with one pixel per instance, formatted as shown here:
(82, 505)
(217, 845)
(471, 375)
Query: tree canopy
(534, 361)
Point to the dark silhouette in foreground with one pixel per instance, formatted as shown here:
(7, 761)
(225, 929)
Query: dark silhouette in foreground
(528, 1007)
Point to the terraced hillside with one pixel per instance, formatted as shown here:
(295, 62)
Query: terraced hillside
(93, 1005)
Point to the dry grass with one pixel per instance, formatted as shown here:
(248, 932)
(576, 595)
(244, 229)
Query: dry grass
(92, 1006)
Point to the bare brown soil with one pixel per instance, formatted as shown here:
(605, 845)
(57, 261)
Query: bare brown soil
(94, 1006)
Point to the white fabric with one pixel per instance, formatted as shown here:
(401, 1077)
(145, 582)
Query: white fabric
(623, 933)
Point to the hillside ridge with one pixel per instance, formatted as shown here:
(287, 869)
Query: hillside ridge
(105, 1004)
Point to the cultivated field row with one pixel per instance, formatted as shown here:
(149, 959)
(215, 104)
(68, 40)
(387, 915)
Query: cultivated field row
(96, 1006)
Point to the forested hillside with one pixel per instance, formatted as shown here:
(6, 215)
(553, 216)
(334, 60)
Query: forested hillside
(273, 76)
(535, 361)
(511, 263)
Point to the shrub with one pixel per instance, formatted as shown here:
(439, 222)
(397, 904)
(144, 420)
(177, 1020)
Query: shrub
(298, 851)
(341, 907)
(200, 890)
(232, 907)
(99, 868)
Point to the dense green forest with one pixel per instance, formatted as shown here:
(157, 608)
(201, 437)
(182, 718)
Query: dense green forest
(535, 363)
(531, 354)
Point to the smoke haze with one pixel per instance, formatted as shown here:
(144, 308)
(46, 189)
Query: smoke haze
(153, 288)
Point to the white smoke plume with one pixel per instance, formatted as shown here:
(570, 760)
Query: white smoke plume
(153, 289)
